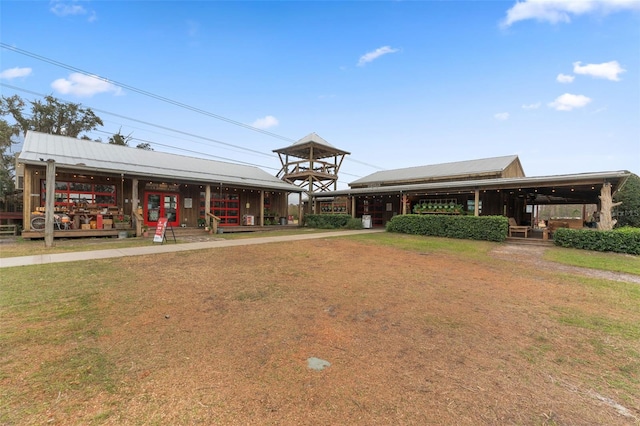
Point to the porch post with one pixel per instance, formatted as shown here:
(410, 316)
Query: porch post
(207, 202)
(404, 204)
(27, 197)
(262, 208)
(300, 212)
(476, 206)
(135, 202)
(49, 203)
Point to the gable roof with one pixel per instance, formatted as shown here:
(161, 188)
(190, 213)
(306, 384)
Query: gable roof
(302, 148)
(471, 169)
(76, 154)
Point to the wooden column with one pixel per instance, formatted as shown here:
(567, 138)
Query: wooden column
(300, 211)
(135, 202)
(49, 203)
(404, 204)
(476, 203)
(207, 202)
(353, 206)
(261, 208)
(27, 197)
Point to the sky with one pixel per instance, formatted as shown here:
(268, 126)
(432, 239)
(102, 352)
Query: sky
(395, 83)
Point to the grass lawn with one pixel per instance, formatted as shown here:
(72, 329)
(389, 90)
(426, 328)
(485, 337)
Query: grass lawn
(416, 330)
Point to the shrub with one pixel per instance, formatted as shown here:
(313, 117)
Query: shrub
(326, 221)
(489, 228)
(620, 240)
(354, 223)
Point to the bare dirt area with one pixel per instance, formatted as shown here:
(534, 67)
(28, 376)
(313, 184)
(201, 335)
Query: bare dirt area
(225, 337)
(533, 255)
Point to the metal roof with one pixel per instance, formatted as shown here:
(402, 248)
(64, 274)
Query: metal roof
(302, 148)
(76, 154)
(485, 166)
(570, 186)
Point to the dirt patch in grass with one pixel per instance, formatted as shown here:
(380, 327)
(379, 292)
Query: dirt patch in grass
(224, 337)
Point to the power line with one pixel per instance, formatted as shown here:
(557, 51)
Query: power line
(143, 92)
(164, 99)
(191, 151)
(147, 123)
(172, 130)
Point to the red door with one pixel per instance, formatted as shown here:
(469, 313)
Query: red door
(161, 204)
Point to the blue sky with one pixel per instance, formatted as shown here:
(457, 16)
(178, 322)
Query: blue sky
(397, 84)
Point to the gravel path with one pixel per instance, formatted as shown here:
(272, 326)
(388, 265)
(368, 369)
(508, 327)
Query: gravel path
(534, 255)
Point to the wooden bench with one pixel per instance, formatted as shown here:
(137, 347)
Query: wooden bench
(8, 229)
(515, 228)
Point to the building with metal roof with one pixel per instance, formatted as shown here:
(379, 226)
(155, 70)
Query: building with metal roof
(490, 186)
(94, 177)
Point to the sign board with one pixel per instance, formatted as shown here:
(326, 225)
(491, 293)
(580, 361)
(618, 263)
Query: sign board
(161, 228)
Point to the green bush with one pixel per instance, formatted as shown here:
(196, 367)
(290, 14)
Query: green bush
(489, 228)
(327, 221)
(620, 240)
(354, 223)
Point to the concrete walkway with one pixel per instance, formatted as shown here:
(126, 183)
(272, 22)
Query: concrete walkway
(166, 248)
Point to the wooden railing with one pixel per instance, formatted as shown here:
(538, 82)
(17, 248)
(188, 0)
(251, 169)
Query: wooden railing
(213, 220)
(9, 229)
(139, 223)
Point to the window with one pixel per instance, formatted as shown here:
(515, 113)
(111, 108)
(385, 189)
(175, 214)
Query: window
(68, 194)
(224, 206)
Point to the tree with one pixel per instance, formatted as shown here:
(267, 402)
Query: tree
(51, 116)
(607, 222)
(7, 159)
(146, 146)
(628, 213)
(120, 139)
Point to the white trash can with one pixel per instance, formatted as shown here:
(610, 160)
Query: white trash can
(366, 221)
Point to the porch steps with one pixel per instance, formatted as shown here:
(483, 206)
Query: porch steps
(529, 241)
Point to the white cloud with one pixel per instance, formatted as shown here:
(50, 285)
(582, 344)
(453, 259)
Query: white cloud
(16, 72)
(564, 78)
(608, 70)
(70, 8)
(567, 102)
(371, 56)
(84, 85)
(265, 122)
(532, 106)
(502, 116)
(555, 11)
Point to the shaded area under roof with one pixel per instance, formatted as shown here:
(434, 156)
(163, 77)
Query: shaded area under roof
(302, 148)
(444, 171)
(570, 188)
(89, 156)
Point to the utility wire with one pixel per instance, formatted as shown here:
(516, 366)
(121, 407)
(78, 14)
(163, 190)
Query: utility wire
(161, 98)
(175, 131)
(142, 92)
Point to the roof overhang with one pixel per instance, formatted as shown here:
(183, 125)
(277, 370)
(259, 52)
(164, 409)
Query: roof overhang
(88, 157)
(573, 188)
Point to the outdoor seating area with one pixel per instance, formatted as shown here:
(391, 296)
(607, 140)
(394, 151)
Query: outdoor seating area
(514, 228)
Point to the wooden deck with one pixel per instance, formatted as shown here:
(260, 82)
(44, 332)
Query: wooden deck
(75, 233)
(96, 233)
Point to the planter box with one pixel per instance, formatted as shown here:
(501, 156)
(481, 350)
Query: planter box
(85, 226)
